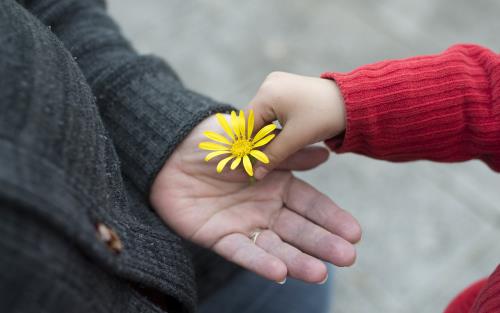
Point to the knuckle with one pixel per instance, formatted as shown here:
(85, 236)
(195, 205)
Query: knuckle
(274, 159)
(267, 92)
(276, 75)
(270, 88)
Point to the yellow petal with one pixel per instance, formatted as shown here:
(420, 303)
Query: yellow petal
(225, 125)
(263, 132)
(235, 163)
(264, 141)
(248, 165)
(217, 137)
(222, 163)
(242, 124)
(212, 155)
(250, 124)
(207, 145)
(259, 155)
(234, 123)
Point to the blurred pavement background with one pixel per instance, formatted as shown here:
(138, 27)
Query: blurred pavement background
(429, 229)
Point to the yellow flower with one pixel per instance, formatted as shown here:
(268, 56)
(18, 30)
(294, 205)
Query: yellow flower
(240, 144)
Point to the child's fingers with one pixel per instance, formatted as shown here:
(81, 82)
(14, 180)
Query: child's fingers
(262, 111)
(288, 141)
(305, 159)
(270, 102)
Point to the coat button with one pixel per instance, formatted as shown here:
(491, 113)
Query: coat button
(109, 237)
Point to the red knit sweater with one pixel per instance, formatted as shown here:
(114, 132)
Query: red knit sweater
(443, 107)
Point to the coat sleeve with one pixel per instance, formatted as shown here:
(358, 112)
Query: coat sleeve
(144, 106)
(443, 107)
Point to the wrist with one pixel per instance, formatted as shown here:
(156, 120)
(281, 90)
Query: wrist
(337, 106)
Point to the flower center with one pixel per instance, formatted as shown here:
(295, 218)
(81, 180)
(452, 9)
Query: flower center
(241, 147)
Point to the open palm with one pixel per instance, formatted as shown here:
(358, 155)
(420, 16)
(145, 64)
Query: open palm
(300, 226)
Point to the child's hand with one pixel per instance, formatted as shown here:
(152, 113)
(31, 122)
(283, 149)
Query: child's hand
(310, 110)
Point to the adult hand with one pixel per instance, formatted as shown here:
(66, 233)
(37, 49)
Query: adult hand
(300, 226)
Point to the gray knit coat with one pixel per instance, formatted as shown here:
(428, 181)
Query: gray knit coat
(85, 125)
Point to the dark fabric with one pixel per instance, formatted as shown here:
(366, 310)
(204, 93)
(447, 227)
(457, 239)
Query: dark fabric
(143, 104)
(69, 162)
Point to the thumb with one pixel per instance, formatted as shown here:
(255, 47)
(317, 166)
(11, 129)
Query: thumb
(263, 112)
(287, 142)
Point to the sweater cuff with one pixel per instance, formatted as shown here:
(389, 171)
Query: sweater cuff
(435, 107)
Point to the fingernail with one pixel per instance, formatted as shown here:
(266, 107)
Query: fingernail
(260, 172)
(282, 282)
(324, 280)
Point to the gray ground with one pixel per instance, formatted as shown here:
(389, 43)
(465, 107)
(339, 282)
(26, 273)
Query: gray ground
(429, 229)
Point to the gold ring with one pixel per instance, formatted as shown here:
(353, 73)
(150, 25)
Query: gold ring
(254, 235)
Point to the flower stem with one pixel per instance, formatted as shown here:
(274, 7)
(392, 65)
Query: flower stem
(251, 179)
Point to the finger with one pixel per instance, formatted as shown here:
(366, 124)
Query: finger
(313, 239)
(315, 206)
(300, 265)
(239, 249)
(264, 113)
(263, 110)
(286, 143)
(305, 159)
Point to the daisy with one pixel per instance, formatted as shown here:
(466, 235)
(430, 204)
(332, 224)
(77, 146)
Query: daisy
(240, 145)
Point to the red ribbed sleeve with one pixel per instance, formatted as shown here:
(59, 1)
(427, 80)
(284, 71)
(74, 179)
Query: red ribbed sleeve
(464, 301)
(443, 107)
(488, 300)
